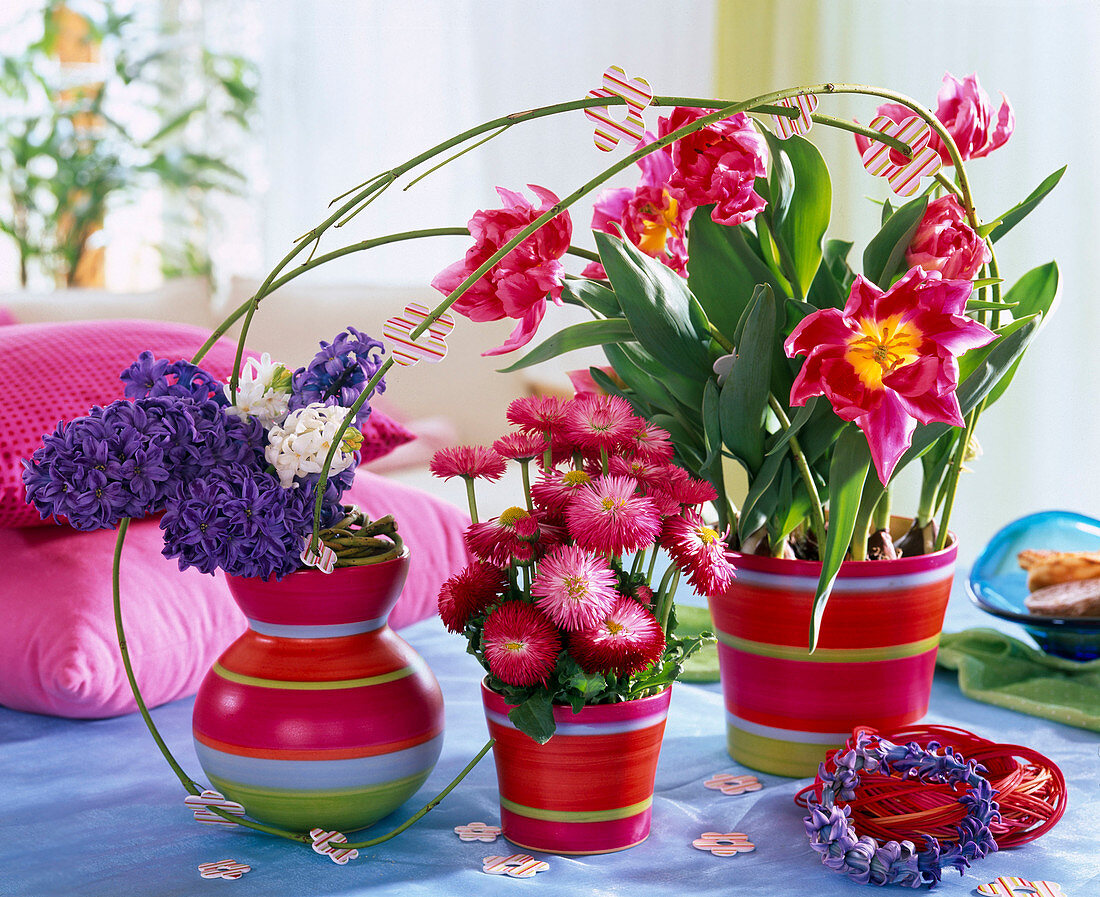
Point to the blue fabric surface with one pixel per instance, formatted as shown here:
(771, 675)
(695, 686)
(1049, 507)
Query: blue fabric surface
(90, 808)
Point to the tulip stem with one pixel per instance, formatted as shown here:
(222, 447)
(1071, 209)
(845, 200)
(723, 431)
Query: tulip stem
(817, 511)
(953, 472)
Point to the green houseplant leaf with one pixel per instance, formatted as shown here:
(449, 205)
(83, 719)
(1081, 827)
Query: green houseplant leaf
(885, 254)
(1021, 210)
(576, 336)
(744, 395)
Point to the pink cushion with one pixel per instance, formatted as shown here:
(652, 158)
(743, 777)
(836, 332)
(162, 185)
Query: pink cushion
(58, 651)
(51, 372)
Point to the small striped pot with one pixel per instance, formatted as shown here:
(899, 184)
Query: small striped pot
(319, 716)
(589, 789)
(873, 666)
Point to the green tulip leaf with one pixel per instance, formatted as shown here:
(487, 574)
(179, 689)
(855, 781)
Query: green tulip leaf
(801, 229)
(1021, 210)
(885, 254)
(744, 395)
(593, 296)
(575, 336)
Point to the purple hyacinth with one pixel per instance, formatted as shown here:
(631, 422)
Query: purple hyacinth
(149, 376)
(338, 374)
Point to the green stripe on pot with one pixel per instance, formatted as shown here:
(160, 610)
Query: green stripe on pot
(785, 758)
(830, 655)
(577, 815)
(298, 685)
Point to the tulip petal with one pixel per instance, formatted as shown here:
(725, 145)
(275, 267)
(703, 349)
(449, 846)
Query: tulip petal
(889, 431)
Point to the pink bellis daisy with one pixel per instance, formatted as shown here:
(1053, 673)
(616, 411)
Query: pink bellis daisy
(520, 283)
(626, 641)
(887, 360)
(650, 443)
(504, 538)
(521, 446)
(520, 644)
(554, 490)
(595, 422)
(467, 461)
(536, 414)
(574, 588)
(699, 551)
(469, 592)
(609, 516)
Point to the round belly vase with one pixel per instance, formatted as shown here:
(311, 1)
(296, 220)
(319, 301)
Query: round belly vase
(587, 790)
(876, 655)
(319, 715)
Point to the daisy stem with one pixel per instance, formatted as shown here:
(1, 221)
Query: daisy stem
(470, 499)
(817, 512)
(603, 461)
(526, 582)
(524, 466)
(652, 564)
(639, 559)
(666, 593)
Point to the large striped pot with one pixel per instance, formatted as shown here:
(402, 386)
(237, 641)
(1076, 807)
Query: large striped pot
(873, 666)
(319, 716)
(589, 789)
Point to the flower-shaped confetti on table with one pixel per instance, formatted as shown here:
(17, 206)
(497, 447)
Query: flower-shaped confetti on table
(323, 844)
(638, 95)
(200, 805)
(477, 831)
(724, 844)
(430, 345)
(805, 103)
(1010, 886)
(903, 174)
(518, 865)
(728, 783)
(229, 869)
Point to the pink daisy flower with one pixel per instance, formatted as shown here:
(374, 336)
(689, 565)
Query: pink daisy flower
(536, 414)
(690, 491)
(520, 446)
(469, 592)
(468, 461)
(699, 551)
(626, 641)
(610, 517)
(575, 588)
(647, 474)
(651, 443)
(498, 540)
(599, 422)
(520, 644)
(553, 491)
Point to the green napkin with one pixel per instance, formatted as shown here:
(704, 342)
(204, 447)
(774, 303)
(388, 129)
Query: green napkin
(702, 666)
(1001, 670)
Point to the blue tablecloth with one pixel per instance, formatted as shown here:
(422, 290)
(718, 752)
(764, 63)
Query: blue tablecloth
(90, 808)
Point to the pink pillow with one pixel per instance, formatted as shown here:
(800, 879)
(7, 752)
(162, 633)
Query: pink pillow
(51, 372)
(58, 651)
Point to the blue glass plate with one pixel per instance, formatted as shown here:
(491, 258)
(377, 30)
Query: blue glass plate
(998, 585)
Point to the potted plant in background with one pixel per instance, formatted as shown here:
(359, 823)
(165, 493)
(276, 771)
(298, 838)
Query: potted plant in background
(572, 618)
(102, 106)
(734, 323)
(319, 714)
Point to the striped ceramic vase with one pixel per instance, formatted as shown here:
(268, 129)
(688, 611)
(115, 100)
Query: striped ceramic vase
(873, 666)
(319, 716)
(589, 789)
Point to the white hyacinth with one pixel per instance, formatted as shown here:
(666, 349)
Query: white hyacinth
(299, 446)
(263, 391)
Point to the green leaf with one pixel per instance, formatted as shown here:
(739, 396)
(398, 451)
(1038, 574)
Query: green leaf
(639, 381)
(657, 302)
(576, 336)
(847, 474)
(592, 295)
(802, 229)
(1020, 211)
(744, 395)
(1035, 293)
(887, 211)
(723, 270)
(535, 717)
(762, 497)
(801, 417)
(982, 305)
(885, 254)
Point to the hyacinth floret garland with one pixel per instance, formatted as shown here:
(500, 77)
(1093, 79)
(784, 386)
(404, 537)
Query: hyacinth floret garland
(866, 861)
(339, 372)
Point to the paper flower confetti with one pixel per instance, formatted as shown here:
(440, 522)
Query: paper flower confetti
(518, 865)
(724, 844)
(805, 103)
(638, 95)
(904, 175)
(200, 805)
(728, 783)
(1010, 886)
(324, 560)
(431, 345)
(230, 869)
(477, 831)
(322, 844)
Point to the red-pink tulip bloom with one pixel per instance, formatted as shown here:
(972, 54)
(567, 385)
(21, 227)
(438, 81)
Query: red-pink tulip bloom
(650, 216)
(518, 286)
(887, 360)
(718, 164)
(965, 110)
(945, 242)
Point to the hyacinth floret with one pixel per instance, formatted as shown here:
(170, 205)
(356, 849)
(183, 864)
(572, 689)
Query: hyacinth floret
(152, 377)
(864, 860)
(338, 374)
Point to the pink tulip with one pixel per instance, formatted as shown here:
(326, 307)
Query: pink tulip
(945, 242)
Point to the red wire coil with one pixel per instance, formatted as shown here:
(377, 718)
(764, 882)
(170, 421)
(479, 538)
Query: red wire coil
(1031, 791)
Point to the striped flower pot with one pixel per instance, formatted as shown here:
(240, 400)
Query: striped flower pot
(873, 666)
(319, 716)
(589, 789)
